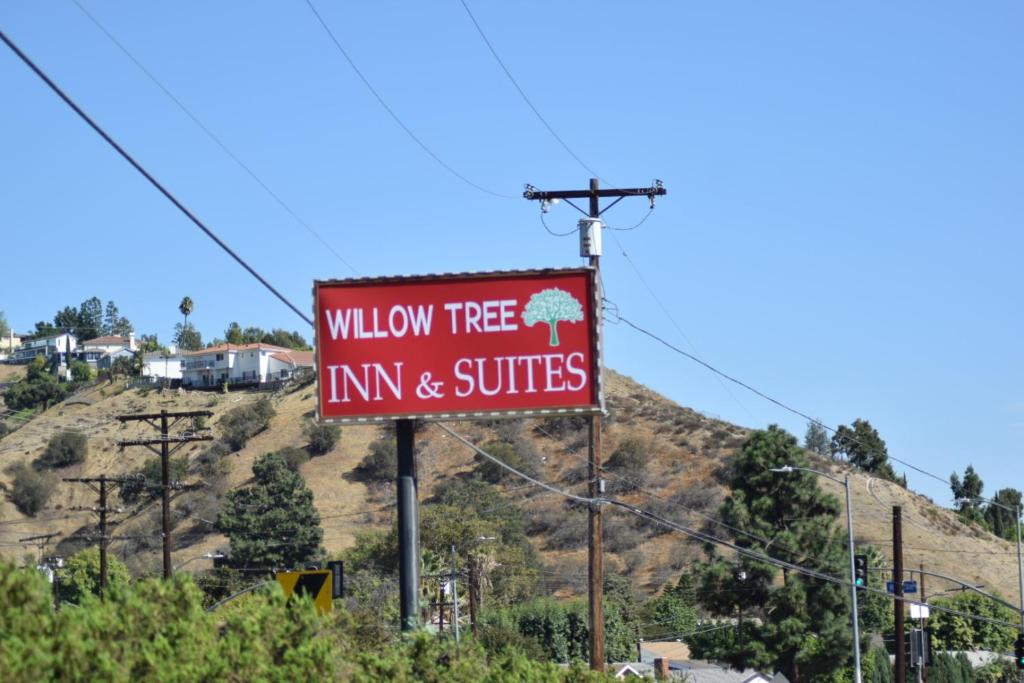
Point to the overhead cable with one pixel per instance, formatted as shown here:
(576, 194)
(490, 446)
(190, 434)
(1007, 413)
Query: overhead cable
(146, 174)
(391, 112)
(210, 134)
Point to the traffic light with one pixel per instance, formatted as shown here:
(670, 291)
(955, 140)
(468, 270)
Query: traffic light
(860, 570)
(1018, 650)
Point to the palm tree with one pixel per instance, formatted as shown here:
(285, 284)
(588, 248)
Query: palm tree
(185, 307)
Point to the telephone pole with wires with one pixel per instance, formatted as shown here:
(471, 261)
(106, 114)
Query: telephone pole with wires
(165, 421)
(590, 247)
(40, 541)
(99, 485)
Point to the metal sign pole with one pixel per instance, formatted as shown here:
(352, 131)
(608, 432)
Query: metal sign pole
(408, 527)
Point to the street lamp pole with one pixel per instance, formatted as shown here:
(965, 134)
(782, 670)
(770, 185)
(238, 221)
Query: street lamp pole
(857, 678)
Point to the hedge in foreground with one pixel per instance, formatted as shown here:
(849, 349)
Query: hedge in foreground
(158, 631)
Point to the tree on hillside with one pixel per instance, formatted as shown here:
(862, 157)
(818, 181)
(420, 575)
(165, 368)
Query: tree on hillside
(114, 323)
(816, 439)
(788, 622)
(234, 334)
(1002, 521)
(90, 319)
(39, 388)
(967, 495)
(272, 522)
(80, 575)
(187, 337)
(5, 329)
(864, 448)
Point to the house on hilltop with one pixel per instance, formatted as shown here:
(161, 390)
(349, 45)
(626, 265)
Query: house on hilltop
(46, 347)
(110, 343)
(242, 364)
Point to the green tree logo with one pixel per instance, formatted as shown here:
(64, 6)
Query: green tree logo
(552, 306)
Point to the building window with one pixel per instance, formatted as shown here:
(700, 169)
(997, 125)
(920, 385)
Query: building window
(220, 356)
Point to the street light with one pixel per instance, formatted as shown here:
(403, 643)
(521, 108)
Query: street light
(845, 481)
(205, 556)
(1016, 521)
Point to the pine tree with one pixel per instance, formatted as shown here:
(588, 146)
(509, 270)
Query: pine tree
(272, 523)
(816, 439)
(863, 448)
(788, 622)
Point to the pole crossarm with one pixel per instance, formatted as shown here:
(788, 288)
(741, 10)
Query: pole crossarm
(157, 416)
(39, 537)
(170, 438)
(533, 193)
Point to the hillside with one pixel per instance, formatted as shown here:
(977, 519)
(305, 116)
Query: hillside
(685, 459)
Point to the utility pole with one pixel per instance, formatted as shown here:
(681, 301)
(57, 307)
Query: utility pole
(165, 453)
(590, 247)
(924, 625)
(897, 584)
(102, 510)
(408, 526)
(40, 541)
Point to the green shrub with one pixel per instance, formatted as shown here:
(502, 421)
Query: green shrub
(628, 462)
(520, 456)
(381, 463)
(80, 575)
(293, 457)
(65, 448)
(81, 372)
(244, 422)
(322, 438)
(31, 489)
(149, 478)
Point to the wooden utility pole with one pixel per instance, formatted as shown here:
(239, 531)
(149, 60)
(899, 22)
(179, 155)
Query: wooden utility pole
(164, 440)
(40, 541)
(99, 485)
(590, 247)
(897, 584)
(473, 594)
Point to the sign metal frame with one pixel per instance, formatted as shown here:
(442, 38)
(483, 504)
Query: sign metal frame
(596, 407)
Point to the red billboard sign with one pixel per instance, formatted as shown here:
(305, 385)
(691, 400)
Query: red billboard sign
(457, 346)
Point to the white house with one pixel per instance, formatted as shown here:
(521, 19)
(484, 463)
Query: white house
(242, 363)
(44, 346)
(160, 365)
(110, 343)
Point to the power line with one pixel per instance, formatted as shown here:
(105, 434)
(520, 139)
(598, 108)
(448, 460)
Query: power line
(526, 99)
(709, 538)
(210, 134)
(394, 116)
(153, 181)
(766, 396)
(671, 318)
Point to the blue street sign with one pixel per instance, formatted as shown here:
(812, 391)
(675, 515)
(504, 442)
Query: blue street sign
(910, 587)
(890, 587)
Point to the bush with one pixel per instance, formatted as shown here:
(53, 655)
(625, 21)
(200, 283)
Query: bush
(568, 427)
(322, 438)
(244, 422)
(521, 457)
(31, 489)
(628, 463)
(65, 448)
(149, 478)
(381, 463)
(293, 457)
(81, 372)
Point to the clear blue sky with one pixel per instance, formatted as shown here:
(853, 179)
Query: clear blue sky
(842, 228)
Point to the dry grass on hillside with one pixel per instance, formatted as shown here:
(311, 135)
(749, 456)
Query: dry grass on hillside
(683, 460)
